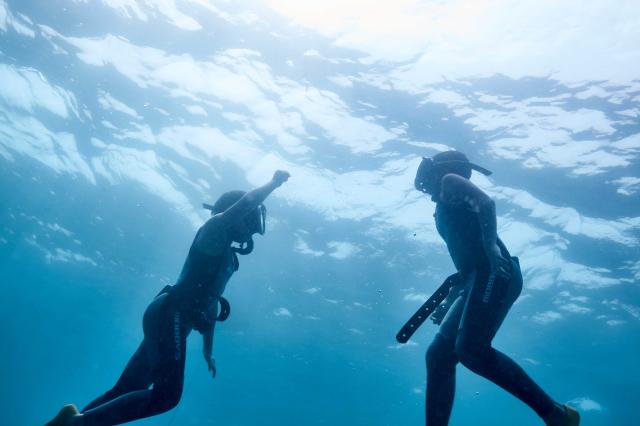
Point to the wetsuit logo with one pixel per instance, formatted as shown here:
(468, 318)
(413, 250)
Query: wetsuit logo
(489, 289)
(176, 336)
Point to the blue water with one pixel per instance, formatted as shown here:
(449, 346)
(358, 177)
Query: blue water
(118, 119)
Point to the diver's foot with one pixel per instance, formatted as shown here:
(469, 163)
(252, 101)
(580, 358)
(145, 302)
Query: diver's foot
(65, 416)
(573, 417)
(568, 416)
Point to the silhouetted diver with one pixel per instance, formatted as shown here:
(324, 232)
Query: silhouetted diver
(152, 381)
(489, 282)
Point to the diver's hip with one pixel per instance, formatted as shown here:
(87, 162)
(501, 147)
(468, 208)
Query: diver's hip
(482, 277)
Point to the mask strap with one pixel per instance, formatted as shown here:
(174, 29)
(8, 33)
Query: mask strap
(263, 219)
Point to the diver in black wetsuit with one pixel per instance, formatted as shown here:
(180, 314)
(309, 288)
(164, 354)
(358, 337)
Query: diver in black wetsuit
(474, 310)
(153, 379)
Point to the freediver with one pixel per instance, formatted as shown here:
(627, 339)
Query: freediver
(152, 381)
(490, 281)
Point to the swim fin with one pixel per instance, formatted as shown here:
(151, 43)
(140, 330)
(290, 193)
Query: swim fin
(63, 416)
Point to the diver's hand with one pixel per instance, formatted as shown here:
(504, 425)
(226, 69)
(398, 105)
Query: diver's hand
(211, 362)
(211, 365)
(280, 177)
(438, 314)
(500, 266)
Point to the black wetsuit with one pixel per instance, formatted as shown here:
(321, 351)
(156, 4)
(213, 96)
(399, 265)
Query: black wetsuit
(153, 379)
(474, 318)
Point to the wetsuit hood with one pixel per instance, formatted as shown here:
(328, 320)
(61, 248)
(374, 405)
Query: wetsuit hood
(431, 170)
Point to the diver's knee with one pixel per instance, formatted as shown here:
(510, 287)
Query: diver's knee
(440, 351)
(167, 399)
(172, 398)
(172, 402)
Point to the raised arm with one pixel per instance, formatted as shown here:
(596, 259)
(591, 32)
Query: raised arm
(251, 200)
(211, 238)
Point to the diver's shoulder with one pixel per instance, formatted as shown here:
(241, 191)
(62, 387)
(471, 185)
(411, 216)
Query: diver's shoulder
(211, 237)
(454, 181)
(214, 223)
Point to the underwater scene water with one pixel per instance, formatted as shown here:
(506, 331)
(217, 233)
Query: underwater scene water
(119, 118)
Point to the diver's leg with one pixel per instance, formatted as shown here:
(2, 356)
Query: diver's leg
(168, 360)
(164, 396)
(486, 308)
(136, 376)
(441, 368)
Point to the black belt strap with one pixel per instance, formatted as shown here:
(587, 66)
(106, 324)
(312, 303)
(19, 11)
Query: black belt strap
(427, 309)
